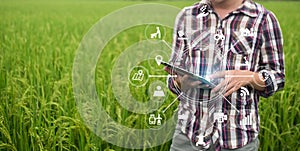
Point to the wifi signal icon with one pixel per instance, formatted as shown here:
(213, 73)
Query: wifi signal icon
(244, 93)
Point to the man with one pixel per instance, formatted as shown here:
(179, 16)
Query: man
(238, 46)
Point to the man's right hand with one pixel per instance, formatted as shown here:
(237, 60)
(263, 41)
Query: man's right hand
(186, 82)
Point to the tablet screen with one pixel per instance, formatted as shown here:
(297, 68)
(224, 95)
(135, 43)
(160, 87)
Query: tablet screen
(182, 72)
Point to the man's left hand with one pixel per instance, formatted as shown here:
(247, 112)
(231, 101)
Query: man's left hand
(235, 79)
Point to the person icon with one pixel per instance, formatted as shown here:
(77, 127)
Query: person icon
(156, 35)
(158, 32)
(158, 92)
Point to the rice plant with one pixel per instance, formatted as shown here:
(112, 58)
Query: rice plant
(38, 111)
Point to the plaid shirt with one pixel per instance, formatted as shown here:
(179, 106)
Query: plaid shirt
(249, 38)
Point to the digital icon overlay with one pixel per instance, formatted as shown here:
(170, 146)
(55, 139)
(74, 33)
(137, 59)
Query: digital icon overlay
(181, 35)
(130, 72)
(247, 32)
(220, 117)
(138, 76)
(244, 93)
(247, 120)
(159, 92)
(245, 62)
(219, 35)
(157, 34)
(203, 11)
(155, 120)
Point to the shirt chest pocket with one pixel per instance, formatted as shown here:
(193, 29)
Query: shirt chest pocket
(241, 43)
(240, 51)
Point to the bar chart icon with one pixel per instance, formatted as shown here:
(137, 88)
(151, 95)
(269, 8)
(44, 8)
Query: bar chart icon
(247, 120)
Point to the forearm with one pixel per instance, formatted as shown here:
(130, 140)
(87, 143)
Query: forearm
(267, 82)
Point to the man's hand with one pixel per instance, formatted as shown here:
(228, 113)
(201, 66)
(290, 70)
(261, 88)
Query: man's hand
(235, 79)
(186, 82)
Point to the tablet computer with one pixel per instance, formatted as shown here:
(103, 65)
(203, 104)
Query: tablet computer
(182, 72)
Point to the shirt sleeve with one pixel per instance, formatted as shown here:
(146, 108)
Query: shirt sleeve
(271, 56)
(178, 47)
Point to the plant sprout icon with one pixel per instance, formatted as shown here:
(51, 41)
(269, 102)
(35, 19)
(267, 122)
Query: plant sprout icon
(139, 76)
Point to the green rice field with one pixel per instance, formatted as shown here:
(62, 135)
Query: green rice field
(38, 43)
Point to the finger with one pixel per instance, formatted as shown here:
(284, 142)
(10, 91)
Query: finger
(178, 80)
(221, 85)
(195, 84)
(187, 83)
(218, 87)
(188, 79)
(236, 87)
(204, 86)
(185, 77)
(230, 86)
(220, 74)
(169, 70)
(229, 92)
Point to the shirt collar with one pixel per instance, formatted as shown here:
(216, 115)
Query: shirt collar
(248, 8)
